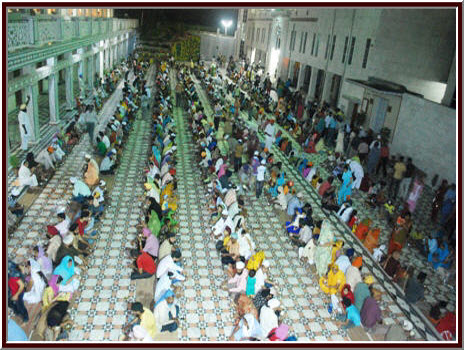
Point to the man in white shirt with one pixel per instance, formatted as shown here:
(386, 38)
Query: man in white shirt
(261, 171)
(168, 264)
(269, 131)
(25, 129)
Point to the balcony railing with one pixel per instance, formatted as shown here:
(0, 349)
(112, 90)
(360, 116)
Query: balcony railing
(28, 31)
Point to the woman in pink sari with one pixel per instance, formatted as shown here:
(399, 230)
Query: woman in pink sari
(415, 193)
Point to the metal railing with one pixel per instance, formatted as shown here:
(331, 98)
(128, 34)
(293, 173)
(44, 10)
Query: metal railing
(26, 31)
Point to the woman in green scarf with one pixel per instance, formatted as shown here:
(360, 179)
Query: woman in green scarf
(323, 251)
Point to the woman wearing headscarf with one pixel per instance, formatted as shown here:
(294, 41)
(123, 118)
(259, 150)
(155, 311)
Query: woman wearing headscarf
(51, 293)
(248, 328)
(345, 189)
(323, 251)
(334, 281)
(66, 270)
(16, 288)
(46, 265)
(347, 293)
(39, 282)
(415, 193)
(439, 256)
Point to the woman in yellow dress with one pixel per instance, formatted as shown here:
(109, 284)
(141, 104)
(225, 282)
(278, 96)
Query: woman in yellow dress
(334, 282)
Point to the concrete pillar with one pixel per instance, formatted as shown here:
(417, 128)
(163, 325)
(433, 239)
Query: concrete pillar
(68, 82)
(284, 37)
(111, 56)
(90, 70)
(312, 84)
(53, 93)
(101, 63)
(33, 106)
(327, 86)
(451, 84)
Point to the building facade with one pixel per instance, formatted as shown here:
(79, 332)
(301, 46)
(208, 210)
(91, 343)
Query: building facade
(319, 49)
(366, 62)
(48, 49)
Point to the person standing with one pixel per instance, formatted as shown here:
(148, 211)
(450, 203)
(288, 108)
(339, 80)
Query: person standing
(438, 200)
(25, 129)
(398, 173)
(374, 156)
(363, 150)
(270, 132)
(383, 161)
(406, 181)
(260, 178)
(91, 121)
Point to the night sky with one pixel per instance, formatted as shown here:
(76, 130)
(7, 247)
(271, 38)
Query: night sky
(206, 17)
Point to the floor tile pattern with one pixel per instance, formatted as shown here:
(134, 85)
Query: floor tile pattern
(393, 303)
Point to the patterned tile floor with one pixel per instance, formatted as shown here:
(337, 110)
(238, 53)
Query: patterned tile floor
(105, 288)
(393, 304)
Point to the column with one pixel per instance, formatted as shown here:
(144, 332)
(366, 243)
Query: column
(33, 106)
(68, 82)
(110, 56)
(326, 88)
(80, 73)
(312, 84)
(90, 71)
(301, 76)
(101, 63)
(53, 93)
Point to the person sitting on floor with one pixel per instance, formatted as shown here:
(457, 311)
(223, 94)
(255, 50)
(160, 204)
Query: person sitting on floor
(352, 318)
(166, 313)
(145, 267)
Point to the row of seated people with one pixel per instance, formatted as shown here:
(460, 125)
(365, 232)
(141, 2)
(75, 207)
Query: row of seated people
(51, 275)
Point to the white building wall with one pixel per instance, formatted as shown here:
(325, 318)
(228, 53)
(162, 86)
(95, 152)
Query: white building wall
(212, 44)
(426, 132)
(415, 46)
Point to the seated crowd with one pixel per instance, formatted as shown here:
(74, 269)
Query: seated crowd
(228, 147)
(50, 276)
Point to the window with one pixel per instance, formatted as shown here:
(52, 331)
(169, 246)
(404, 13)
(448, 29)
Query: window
(327, 47)
(245, 15)
(292, 40)
(304, 42)
(257, 35)
(317, 45)
(252, 35)
(353, 42)
(301, 42)
(334, 38)
(314, 42)
(344, 49)
(263, 36)
(366, 53)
